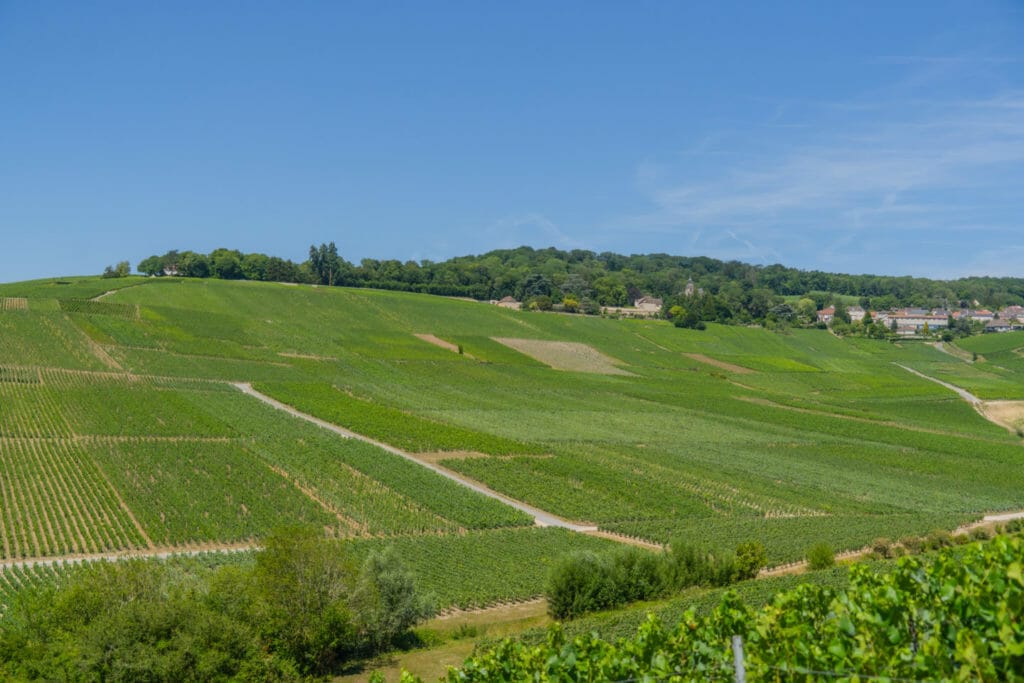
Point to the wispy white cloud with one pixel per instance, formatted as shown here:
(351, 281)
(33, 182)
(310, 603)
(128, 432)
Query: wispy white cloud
(904, 166)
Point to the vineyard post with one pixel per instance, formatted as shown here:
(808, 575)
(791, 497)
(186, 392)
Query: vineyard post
(737, 659)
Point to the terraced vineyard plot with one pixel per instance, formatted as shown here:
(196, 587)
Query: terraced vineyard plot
(44, 339)
(381, 422)
(118, 409)
(88, 307)
(68, 287)
(55, 501)
(787, 539)
(481, 568)
(169, 364)
(31, 410)
(382, 492)
(187, 492)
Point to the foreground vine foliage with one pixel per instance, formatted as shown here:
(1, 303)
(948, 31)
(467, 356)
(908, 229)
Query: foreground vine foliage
(957, 616)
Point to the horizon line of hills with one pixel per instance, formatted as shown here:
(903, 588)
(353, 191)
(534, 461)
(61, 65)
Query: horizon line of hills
(604, 279)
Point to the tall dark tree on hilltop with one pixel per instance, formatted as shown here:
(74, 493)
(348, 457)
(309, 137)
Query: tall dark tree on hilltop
(326, 263)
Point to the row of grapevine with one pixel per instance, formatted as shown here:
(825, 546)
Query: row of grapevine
(55, 501)
(13, 303)
(44, 339)
(28, 410)
(185, 491)
(89, 307)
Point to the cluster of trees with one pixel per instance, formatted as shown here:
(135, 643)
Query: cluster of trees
(585, 581)
(585, 281)
(226, 264)
(122, 269)
(301, 610)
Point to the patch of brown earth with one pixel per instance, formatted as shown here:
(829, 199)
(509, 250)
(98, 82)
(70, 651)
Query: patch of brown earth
(13, 304)
(437, 341)
(305, 356)
(438, 456)
(1008, 414)
(570, 356)
(628, 540)
(700, 357)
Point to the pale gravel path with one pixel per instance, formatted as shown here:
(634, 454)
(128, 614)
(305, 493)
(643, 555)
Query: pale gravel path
(964, 394)
(540, 517)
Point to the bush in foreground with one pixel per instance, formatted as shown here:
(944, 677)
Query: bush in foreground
(820, 556)
(301, 610)
(587, 582)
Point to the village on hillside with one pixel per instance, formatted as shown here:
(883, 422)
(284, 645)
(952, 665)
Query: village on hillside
(904, 322)
(920, 321)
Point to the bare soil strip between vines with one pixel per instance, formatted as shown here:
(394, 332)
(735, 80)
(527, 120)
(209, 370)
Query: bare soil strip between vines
(446, 345)
(541, 518)
(701, 358)
(150, 553)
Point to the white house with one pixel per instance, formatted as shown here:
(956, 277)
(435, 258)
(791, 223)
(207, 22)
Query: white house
(648, 304)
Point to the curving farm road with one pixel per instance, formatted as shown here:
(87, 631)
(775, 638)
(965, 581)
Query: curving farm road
(540, 517)
(964, 394)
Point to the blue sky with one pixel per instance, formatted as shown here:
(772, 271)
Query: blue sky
(882, 137)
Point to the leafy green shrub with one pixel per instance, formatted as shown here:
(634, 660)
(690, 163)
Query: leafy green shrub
(937, 540)
(636, 575)
(882, 547)
(586, 582)
(751, 557)
(912, 544)
(820, 556)
(580, 583)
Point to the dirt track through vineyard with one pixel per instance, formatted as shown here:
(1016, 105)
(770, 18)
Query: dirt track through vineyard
(1007, 414)
(540, 517)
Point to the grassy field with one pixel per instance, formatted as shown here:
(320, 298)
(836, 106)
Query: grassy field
(120, 430)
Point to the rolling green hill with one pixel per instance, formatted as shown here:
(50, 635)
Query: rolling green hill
(121, 430)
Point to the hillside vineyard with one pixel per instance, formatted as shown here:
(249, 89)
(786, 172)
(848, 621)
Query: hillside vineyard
(122, 430)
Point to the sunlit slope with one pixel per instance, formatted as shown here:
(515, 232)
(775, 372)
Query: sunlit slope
(726, 434)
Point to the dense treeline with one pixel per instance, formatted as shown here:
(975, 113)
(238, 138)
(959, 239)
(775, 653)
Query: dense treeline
(586, 582)
(301, 610)
(723, 290)
(954, 617)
